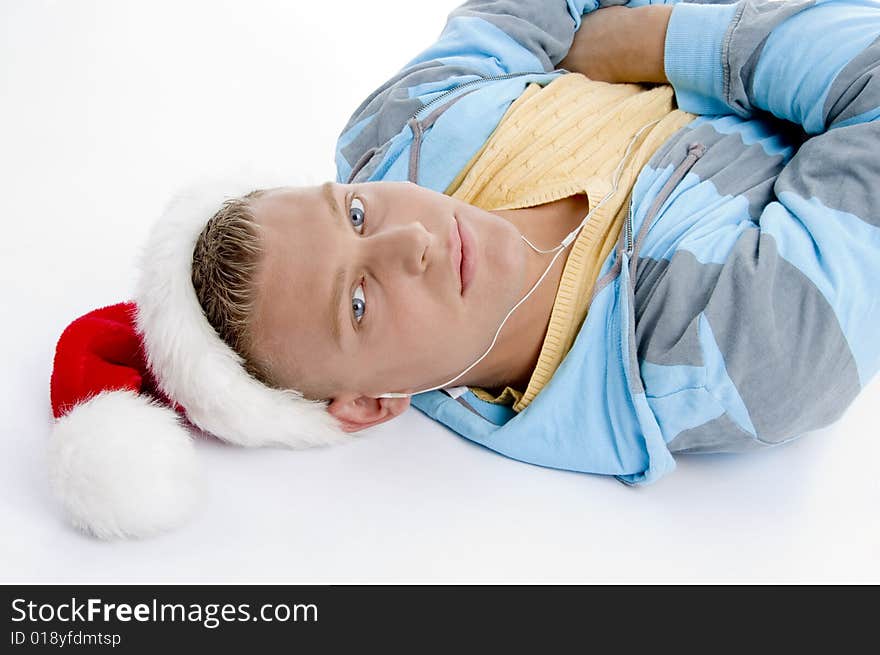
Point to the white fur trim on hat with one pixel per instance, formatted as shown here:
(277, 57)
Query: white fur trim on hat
(192, 365)
(123, 465)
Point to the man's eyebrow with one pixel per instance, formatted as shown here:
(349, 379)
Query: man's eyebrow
(330, 197)
(339, 278)
(335, 304)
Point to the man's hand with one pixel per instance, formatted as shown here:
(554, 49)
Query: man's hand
(619, 44)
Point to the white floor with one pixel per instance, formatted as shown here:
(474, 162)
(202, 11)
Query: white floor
(106, 108)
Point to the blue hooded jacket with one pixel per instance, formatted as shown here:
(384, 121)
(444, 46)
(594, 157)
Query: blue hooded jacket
(741, 305)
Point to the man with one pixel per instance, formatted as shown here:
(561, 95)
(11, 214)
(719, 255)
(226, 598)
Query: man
(735, 308)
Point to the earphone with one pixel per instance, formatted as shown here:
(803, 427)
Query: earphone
(567, 241)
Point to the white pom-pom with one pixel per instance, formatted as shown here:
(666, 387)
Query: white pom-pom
(123, 465)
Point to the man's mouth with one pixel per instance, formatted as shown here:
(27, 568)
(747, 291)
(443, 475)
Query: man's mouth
(455, 250)
(468, 263)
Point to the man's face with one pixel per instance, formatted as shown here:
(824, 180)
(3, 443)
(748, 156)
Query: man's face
(380, 261)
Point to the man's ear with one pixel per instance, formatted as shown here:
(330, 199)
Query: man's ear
(359, 412)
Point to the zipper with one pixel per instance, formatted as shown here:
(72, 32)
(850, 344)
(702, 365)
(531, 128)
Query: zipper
(490, 78)
(418, 130)
(628, 228)
(694, 152)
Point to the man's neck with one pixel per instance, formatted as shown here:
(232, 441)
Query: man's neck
(515, 355)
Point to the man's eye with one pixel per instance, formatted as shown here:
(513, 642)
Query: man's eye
(358, 303)
(356, 214)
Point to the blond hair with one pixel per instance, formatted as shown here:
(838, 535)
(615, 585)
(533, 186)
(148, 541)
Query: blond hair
(225, 261)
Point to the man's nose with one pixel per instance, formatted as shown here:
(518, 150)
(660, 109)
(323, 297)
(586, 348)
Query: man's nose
(408, 247)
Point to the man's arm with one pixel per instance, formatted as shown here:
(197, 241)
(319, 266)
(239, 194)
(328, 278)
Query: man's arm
(798, 60)
(787, 319)
(621, 44)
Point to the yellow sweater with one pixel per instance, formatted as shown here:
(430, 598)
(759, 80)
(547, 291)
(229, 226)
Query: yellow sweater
(553, 142)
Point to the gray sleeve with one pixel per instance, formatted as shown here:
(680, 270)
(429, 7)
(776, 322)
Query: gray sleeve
(545, 29)
(481, 38)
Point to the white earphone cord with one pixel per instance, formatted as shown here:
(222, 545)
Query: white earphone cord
(558, 249)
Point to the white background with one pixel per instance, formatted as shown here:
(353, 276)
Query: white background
(105, 109)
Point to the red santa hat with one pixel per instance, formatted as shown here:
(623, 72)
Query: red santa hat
(131, 380)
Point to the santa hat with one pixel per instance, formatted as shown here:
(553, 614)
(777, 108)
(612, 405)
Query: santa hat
(130, 380)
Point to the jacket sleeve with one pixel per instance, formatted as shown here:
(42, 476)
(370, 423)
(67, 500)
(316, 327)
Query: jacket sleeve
(795, 59)
(481, 38)
(788, 332)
